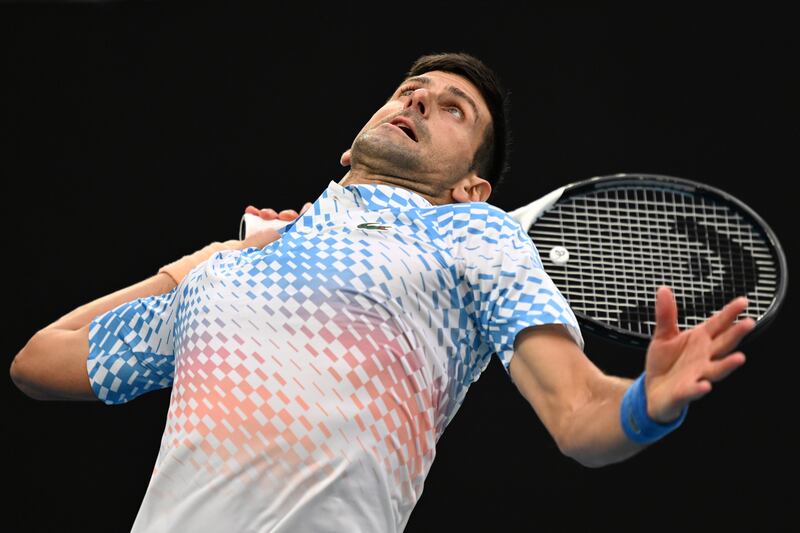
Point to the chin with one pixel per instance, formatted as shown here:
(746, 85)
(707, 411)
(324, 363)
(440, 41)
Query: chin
(379, 152)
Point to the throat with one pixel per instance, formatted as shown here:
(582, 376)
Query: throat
(422, 189)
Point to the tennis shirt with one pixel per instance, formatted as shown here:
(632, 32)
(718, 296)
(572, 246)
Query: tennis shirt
(312, 378)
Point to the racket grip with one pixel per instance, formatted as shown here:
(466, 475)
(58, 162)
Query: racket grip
(250, 224)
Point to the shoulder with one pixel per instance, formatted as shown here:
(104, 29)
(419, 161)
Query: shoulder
(479, 210)
(483, 220)
(485, 233)
(488, 227)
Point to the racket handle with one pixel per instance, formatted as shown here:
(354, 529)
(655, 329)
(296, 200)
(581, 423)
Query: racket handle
(252, 223)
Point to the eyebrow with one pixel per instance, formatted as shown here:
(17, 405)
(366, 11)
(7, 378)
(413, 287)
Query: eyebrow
(455, 91)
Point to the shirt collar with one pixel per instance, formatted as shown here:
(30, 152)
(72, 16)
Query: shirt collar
(377, 196)
(372, 197)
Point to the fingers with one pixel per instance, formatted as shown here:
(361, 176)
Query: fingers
(268, 214)
(288, 214)
(697, 390)
(271, 214)
(716, 371)
(291, 214)
(721, 320)
(666, 314)
(721, 368)
(730, 338)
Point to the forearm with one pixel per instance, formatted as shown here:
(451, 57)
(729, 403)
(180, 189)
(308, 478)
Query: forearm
(595, 437)
(167, 279)
(75, 320)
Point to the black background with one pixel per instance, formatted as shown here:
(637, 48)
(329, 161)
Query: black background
(134, 133)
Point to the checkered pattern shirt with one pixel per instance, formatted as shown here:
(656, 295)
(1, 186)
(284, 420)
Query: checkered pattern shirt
(312, 378)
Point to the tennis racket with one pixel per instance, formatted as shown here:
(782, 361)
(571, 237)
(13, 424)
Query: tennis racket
(609, 242)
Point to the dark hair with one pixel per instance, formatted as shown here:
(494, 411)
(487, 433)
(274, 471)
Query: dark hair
(491, 159)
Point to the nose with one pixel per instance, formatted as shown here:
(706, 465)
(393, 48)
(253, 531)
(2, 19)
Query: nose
(419, 100)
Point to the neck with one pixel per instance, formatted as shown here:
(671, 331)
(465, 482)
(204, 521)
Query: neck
(354, 177)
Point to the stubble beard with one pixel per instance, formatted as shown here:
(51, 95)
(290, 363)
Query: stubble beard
(378, 153)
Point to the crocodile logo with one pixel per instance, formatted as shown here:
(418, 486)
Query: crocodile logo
(373, 225)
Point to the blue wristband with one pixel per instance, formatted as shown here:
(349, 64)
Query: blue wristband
(633, 413)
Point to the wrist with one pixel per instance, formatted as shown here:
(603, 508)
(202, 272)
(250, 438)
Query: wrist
(666, 419)
(178, 269)
(636, 423)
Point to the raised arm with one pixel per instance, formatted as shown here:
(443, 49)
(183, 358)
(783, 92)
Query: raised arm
(575, 400)
(580, 406)
(53, 363)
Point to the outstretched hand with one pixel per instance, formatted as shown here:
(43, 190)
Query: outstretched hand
(681, 365)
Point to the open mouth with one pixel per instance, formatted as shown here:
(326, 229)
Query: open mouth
(408, 131)
(405, 127)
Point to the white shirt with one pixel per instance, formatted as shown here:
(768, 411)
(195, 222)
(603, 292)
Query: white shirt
(312, 379)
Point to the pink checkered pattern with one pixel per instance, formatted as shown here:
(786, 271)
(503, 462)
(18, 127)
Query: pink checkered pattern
(311, 379)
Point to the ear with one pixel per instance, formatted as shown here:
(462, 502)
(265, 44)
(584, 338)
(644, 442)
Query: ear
(471, 188)
(345, 159)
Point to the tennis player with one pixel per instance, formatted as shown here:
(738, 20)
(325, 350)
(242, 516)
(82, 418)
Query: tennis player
(314, 368)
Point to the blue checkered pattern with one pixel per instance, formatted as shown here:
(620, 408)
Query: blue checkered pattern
(354, 338)
(132, 348)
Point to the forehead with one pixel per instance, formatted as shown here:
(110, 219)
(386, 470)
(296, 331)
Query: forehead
(440, 80)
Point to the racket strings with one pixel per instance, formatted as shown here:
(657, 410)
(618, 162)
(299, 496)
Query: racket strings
(625, 242)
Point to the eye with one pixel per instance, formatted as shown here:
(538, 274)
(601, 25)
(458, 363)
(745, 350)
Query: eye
(459, 113)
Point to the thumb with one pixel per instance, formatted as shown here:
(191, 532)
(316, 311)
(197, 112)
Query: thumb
(666, 314)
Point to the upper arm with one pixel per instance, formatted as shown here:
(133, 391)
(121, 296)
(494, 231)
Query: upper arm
(553, 374)
(507, 288)
(121, 354)
(52, 366)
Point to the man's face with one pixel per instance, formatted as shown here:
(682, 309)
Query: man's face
(427, 133)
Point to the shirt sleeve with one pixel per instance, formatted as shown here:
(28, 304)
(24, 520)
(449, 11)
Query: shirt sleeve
(507, 284)
(132, 348)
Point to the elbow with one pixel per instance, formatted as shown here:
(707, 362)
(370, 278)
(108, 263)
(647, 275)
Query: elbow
(568, 447)
(582, 456)
(20, 377)
(588, 462)
(16, 373)
(567, 450)
(584, 460)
